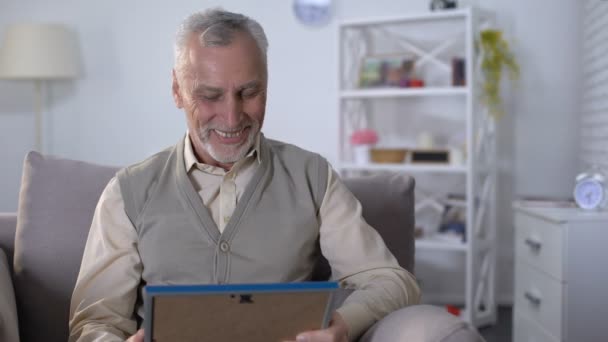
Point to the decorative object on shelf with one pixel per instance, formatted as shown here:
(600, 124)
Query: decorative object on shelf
(495, 55)
(313, 12)
(425, 140)
(386, 71)
(415, 83)
(430, 156)
(39, 52)
(454, 310)
(591, 190)
(458, 72)
(429, 211)
(457, 156)
(388, 155)
(453, 222)
(362, 141)
(443, 4)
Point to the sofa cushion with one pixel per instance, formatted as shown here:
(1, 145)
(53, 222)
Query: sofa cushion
(422, 323)
(8, 224)
(56, 205)
(8, 311)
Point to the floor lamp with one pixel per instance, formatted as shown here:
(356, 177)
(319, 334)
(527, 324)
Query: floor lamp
(39, 52)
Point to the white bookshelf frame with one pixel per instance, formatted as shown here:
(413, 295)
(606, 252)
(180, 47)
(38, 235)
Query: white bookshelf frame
(479, 168)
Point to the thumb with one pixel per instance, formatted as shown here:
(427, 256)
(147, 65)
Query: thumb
(303, 338)
(310, 336)
(139, 337)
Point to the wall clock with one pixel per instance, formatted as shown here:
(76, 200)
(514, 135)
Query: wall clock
(313, 12)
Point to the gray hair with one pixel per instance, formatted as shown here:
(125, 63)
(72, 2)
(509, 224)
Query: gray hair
(216, 27)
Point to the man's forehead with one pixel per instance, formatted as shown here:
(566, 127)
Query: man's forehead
(202, 85)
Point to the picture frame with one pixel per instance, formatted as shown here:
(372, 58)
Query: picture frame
(386, 71)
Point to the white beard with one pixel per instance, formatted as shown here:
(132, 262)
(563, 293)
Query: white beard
(228, 154)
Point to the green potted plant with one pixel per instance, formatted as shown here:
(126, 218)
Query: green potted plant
(495, 55)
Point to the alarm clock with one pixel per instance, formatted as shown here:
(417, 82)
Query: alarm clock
(591, 191)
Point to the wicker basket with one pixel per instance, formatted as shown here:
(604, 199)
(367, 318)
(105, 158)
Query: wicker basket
(388, 155)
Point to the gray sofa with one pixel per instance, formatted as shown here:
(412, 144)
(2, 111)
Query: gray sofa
(41, 247)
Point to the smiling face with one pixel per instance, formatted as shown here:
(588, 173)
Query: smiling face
(222, 89)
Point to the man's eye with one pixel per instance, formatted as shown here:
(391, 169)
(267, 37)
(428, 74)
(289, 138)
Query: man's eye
(249, 93)
(211, 97)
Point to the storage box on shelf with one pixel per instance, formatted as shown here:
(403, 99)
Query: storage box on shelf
(425, 92)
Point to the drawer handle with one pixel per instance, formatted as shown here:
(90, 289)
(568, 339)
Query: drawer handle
(533, 244)
(534, 299)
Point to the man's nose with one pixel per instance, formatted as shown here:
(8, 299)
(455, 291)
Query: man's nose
(233, 111)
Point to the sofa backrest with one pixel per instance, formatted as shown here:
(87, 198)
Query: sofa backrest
(388, 206)
(8, 224)
(56, 205)
(387, 200)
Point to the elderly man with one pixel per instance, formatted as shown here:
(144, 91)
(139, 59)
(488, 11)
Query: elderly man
(228, 205)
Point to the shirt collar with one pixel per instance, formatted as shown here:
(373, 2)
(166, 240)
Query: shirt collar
(190, 157)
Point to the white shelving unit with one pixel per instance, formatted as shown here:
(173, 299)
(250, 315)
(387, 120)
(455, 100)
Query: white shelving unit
(379, 93)
(412, 35)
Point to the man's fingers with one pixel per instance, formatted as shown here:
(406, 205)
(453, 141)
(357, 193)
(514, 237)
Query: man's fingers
(315, 336)
(138, 337)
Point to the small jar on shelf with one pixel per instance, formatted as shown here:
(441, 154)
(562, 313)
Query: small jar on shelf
(362, 141)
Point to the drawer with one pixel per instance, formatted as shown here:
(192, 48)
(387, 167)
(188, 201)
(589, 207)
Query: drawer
(524, 330)
(540, 244)
(538, 297)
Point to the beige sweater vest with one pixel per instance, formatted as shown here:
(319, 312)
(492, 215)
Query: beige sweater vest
(273, 235)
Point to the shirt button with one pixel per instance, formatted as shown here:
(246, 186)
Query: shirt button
(226, 219)
(224, 246)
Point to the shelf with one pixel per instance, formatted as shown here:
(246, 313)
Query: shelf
(437, 168)
(461, 13)
(402, 92)
(432, 37)
(440, 245)
(438, 15)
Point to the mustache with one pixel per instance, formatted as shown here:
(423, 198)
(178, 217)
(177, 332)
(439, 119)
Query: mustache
(225, 128)
(205, 130)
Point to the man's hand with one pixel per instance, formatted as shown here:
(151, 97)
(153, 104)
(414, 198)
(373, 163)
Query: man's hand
(337, 332)
(139, 337)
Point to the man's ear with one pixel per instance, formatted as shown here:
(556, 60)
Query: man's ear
(177, 96)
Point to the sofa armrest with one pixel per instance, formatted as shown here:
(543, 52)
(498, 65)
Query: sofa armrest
(424, 323)
(8, 225)
(9, 329)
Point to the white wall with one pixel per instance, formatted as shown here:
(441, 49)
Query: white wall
(121, 110)
(594, 86)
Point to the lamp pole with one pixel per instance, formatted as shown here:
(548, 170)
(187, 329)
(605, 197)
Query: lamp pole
(38, 89)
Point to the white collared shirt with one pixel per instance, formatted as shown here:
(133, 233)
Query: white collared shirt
(219, 189)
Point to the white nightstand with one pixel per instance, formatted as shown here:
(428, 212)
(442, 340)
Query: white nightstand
(561, 275)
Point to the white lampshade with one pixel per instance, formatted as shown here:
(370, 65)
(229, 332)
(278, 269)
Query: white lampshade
(39, 52)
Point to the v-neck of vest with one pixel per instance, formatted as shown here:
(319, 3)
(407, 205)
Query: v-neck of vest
(202, 212)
